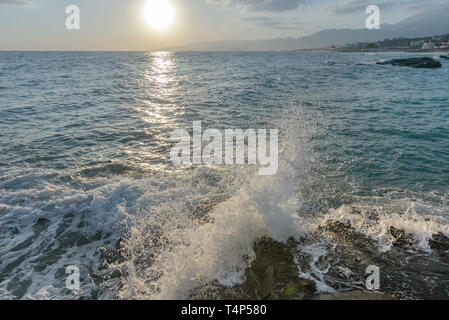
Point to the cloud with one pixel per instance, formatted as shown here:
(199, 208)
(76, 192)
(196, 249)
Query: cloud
(262, 21)
(351, 6)
(261, 5)
(273, 23)
(19, 3)
(264, 7)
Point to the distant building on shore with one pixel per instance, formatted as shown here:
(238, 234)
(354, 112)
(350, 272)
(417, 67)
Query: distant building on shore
(415, 44)
(428, 45)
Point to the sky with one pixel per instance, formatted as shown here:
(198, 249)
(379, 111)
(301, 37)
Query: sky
(121, 24)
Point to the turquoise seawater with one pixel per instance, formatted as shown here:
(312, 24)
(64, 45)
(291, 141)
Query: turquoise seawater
(85, 172)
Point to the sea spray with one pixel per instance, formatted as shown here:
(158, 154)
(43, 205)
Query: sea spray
(219, 248)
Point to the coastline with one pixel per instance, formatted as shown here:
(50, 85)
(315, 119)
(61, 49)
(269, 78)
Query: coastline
(393, 50)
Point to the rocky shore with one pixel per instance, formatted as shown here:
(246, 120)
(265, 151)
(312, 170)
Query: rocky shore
(423, 62)
(273, 275)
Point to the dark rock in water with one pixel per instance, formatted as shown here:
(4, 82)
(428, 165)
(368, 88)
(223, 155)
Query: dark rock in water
(273, 275)
(400, 238)
(355, 295)
(444, 57)
(295, 290)
(424, 62)
(440, 243)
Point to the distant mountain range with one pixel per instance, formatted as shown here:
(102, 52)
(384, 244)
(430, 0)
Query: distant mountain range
(429, 23)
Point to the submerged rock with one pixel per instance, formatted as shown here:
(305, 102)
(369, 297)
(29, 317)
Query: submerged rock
(355, 295)
(295, 290)
(424, 62)
(440, 243)
(444, 57)
(400, 237)
(273, 275)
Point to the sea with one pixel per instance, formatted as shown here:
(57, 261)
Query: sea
(86, 178)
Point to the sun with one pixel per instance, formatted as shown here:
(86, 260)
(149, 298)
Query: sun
(159, 14)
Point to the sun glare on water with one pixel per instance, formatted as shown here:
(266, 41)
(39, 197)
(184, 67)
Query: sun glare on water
(159, 14)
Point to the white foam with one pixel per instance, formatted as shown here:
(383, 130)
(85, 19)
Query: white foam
(315, 252)
(400, 214)
(175, 249)
(199, 253)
